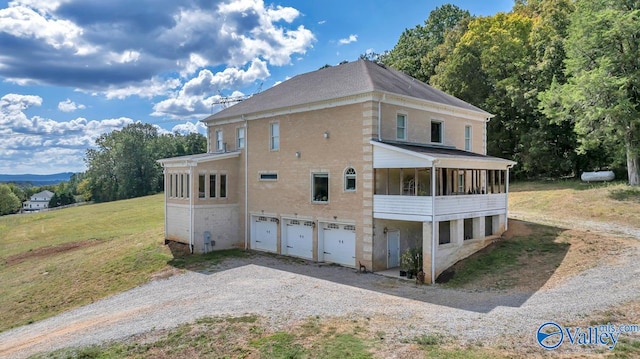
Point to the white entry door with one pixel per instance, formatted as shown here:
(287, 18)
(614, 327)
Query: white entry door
(393, 249)
(338, 244)
(265, 234)
(297, 239)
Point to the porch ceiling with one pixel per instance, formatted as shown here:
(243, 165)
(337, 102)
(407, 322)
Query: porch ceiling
(389, 154)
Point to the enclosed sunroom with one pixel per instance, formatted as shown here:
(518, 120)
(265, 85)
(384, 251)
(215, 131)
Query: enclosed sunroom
(446, 201)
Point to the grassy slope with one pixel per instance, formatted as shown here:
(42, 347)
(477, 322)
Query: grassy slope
(601, 202)
(53, 261)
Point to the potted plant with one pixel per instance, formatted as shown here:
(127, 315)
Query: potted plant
(411, 261)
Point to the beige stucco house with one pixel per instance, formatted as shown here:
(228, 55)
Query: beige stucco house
(350, 164)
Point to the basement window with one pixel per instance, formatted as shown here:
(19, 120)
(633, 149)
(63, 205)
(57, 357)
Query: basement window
(268, 176)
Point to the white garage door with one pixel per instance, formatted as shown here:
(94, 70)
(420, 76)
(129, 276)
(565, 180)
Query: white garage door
(338, 244)
(265, 234)
(297, 239)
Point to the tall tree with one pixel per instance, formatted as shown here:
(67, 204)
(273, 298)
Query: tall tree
(9, 202)
(602, 93)
(419, 42)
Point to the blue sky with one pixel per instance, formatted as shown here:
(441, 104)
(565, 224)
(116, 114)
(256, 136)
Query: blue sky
(71, 70)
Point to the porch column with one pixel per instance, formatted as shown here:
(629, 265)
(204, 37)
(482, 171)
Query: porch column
(427, 242)
(457, 232)
(478, 227)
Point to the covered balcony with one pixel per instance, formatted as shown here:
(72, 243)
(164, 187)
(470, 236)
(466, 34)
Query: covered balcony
(421, 183)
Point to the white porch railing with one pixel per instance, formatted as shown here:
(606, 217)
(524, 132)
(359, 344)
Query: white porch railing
(419, 208)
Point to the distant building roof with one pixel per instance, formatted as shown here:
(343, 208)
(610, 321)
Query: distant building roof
(352, 78)
(43, 194)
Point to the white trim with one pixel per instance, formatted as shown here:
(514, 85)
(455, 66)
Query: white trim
(194, 160)
(403, 114)
(272, 146)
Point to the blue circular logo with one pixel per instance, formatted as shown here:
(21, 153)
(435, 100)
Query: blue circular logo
(550, 335)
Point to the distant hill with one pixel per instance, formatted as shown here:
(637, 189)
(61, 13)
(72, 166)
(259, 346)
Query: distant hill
(37, 180)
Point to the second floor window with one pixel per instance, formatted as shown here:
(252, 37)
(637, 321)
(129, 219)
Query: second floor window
(436, 132)
(401, 127)
(275, 136)
(320, 187)
(240, 138)
(467, 138)
(219, 143)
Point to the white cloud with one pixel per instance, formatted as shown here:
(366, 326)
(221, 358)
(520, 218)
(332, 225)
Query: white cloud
(197, 96)
(69, 106)
(322, 22)
(145, 89)
(41, 145)
(350, 39)
(190, 127)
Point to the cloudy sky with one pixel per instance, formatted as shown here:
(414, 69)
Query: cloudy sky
(71, 70)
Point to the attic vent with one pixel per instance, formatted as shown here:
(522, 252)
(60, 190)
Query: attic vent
(349, 227)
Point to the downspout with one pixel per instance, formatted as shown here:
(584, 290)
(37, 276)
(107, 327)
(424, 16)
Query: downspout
(433, 222)
(246, 184)
(190, 182)
(166, 196)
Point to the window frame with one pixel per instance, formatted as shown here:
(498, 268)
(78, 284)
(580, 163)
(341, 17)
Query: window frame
(240, 140)
(348, 176)
(274, 136)
(441, 131)
(222, 185)
(315, 175)
(404, 126)
(219, 140)
(264, 176)
(468, 131)
(213, 187)
(202, 185)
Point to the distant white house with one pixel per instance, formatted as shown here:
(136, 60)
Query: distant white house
(38, 201)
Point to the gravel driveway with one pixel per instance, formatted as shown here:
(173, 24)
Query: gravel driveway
(286, 291)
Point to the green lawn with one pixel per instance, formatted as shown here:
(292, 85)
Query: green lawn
(57, 260)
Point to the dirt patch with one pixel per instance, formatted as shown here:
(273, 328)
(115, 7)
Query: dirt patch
(47, 251)
(517, 228)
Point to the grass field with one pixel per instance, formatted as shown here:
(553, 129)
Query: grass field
(53, 261)
(56, 260)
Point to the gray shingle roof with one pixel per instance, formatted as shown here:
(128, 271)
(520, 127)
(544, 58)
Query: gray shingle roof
(334, 82)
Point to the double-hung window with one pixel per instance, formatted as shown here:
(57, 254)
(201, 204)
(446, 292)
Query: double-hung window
(274, 132)
(401, 127)
(240, 137)
(219, 141)
(467, 138)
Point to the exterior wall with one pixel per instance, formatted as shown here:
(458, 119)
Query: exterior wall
(177, 223)
(418, 127)
(410, 236)
(222, 224)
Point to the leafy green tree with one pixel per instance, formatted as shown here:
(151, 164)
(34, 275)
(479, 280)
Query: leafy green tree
(602, 94)
(419, 42)
(123, 164)
(9, 202)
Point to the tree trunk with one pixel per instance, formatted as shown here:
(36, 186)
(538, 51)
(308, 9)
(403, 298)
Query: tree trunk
(633, 164)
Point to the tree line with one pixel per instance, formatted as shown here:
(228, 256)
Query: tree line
(562, 78)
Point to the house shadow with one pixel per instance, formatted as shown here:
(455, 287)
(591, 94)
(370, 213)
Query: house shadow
(507, 273)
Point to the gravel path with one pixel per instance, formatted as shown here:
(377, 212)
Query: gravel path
(286, 291)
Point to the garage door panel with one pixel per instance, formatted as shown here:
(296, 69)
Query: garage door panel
(265, 236)
(339, 244)
(298, 239)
